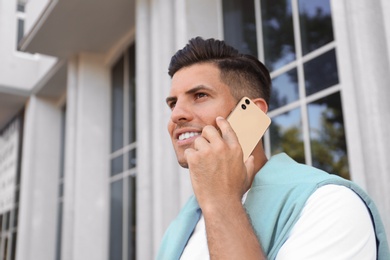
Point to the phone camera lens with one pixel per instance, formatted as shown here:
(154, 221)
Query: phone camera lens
(243, 106)
(247, 101)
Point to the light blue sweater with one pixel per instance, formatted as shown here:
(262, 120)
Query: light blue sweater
(281, 189)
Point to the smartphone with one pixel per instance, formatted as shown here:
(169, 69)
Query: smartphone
(249, 123)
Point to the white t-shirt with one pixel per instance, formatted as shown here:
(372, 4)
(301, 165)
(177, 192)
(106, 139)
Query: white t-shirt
(325, 230)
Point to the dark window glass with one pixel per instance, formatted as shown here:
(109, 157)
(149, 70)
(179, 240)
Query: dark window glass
(239, 25)
(286, 135)
(132, 159)
(117, 165)
(7, 220)
(132, 218)
(116, 220)
(13, 249)
(321, 73)
(20, 7)
(62, 142)
(284, 89)
(59, 232)
(315, 23)
(15, 219)
(132, 95)
(117, 106)
(20, 30)
(5, 247)
(278, 33)
(327, 136)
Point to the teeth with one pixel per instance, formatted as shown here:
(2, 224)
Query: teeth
(187, 135)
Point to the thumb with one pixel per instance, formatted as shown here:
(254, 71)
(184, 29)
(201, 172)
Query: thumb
(250, 170)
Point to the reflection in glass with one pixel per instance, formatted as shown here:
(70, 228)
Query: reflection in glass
(132, 94)
(132, 218)
(286, 135)
(239, 25)
(278, 33)
(284, 89)
(327, 136)
(117, 165)
(116, 220)
(117, 106)
(316, 24)
(321, 72)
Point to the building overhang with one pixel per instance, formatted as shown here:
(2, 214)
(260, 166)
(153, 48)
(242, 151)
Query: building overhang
(66, 27)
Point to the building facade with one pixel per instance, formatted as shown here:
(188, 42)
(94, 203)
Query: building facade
(87, 170)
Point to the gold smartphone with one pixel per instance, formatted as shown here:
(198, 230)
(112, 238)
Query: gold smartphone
(249, 123)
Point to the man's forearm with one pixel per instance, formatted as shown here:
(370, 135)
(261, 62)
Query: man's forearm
(230, 234)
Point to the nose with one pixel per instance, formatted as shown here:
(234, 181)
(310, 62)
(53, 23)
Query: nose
(181, 112)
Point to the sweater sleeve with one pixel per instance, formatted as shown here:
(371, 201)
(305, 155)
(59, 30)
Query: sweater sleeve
(334, 224)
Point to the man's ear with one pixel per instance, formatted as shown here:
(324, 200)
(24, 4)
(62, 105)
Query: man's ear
(260, 102)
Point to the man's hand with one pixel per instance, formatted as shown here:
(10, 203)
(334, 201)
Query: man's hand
(220, 178)
(218, 173)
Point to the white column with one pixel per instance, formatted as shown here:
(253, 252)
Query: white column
(162, 186)
(85, 219)
(363, 54)
(39, 181)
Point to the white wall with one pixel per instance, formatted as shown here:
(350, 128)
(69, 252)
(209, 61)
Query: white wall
(39, 181)
(85, 213)
(162, 186)
(19, 71)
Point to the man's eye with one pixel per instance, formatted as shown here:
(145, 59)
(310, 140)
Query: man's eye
(200, 95)
(172, 105)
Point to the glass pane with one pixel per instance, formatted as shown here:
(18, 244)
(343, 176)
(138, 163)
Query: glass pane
(316, 24)
(286, 135)
(61, 189)
(132, 95)
(62, 142)
(327, 136)
(132, 218)
(59, 232)
(20, 7)
(15, 219)
(5, 247)
(117, 106)
(20, 30)
(239, 25)
(278, 33)
(117, 165)
(7, 220)
(321, 72)
(284, 89)
(13, 249)
(132, 159)
(116, 220)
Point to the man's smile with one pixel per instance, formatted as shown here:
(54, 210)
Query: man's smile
(187, 135)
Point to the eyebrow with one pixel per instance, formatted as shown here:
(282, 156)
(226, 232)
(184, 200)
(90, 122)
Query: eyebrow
(190, 91)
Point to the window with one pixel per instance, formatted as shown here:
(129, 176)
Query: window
(10, 161)
(123, 159)
(61, 185)
(294, 38)
(20, 13)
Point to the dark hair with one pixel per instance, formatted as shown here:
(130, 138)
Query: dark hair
(244, 74)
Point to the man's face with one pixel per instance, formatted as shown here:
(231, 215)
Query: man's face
(196, 98)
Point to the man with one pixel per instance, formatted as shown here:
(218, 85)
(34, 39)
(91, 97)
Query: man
(260, 208)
